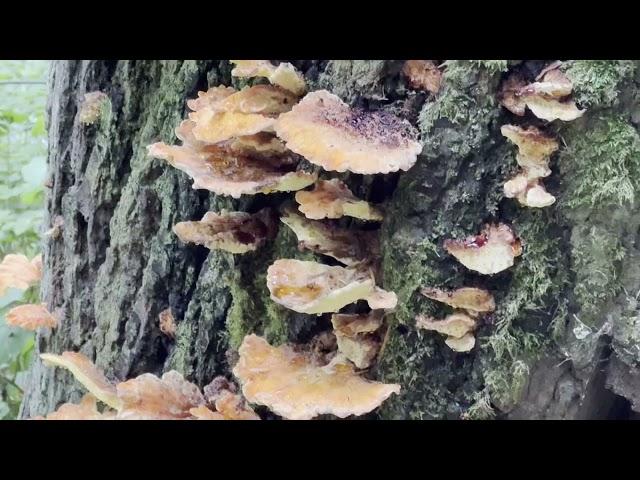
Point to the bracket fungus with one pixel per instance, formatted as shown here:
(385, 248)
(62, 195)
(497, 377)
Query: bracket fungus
(490, 252)
(91, 107)
(220, 171)
(17, 271)
(534, 152)
(294, 387)
(546, 97)
(247, 112)
(327, 132)
(235, 232)
(284, 75)
(310, 287)
(31, 317)
(345, 245)
(87, 409)
(355, 336)
(457, 327)
(85, 372)
(473, 300)
(423, 75)
(333, 199)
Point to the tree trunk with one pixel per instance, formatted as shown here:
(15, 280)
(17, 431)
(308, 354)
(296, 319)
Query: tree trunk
(564, 342)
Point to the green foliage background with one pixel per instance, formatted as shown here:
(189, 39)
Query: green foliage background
(23, 148)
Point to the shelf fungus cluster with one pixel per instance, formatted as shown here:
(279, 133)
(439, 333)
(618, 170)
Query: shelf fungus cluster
(490, 252)
(146, 397)
(17, 271)
(547, 97)
(294, 386)
(534, 151)
(469, 304)
(252, 141)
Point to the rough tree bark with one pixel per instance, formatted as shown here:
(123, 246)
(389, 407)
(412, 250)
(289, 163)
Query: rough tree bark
(564, 342)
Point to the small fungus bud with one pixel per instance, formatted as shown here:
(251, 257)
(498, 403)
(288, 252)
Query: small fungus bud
(423, 75)
(167, 323)
(235, 232)
(284, 75)
(333, 199)
(328, 133)
(490, 252)
(31, 317)
(294, 387)
(92, 107)
(353, 334)
(87, 374)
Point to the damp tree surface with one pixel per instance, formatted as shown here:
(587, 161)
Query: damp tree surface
(560, 337)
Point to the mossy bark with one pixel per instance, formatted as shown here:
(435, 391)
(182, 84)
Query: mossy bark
(563, 343)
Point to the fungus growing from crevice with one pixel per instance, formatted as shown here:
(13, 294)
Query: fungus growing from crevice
(348, 246)
(310, 287)
(86, 409)
(284, 75)
(534, 152)
(293, 386)
(85, 372)
(167, 323)
(328, 133)
(546, 97)
(91, 107)
(31, 317)
(17, 271)
(474, 300)
(235, 232)
(423, 75)
(333, 199)
(490, 252)
(355, 336)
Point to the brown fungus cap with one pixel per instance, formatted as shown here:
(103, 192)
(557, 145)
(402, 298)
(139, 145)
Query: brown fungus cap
(327, 132)
(31, 317)
(423, 75)
(91, 107)
(467, 298)
(490, 252)
(294, 387)
(351, 325)
(85, 372)
(348, 246)
(167, 323)
(333, 199)
(284, 75)
(220, 171)
(17, 271)
(235, 232)
(310, 287)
